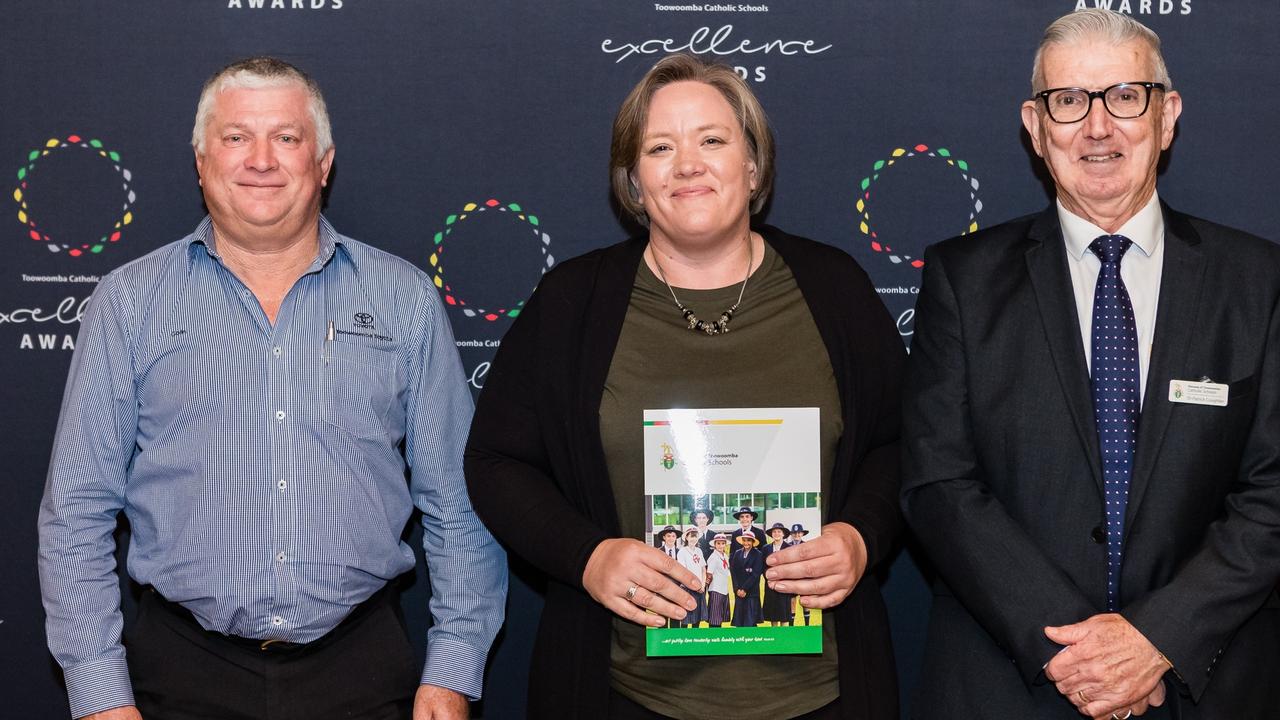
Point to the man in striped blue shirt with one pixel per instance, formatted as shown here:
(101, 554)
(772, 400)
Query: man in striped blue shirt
(252, 397)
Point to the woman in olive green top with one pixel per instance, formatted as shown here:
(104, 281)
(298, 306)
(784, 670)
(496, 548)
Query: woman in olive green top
(702, 311)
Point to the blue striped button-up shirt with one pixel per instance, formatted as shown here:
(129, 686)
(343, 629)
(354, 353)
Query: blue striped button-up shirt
(261, 466)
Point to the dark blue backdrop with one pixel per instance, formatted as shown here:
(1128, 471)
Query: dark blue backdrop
(438, 104)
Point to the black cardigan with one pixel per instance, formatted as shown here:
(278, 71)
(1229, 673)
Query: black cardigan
(535, 463)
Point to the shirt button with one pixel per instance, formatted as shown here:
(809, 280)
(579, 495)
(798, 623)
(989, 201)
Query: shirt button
(279, 414)
(277, 621)
(282, 485)
(280, 557)
(276, 351)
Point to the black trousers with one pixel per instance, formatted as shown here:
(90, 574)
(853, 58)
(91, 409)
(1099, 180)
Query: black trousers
(363, 669)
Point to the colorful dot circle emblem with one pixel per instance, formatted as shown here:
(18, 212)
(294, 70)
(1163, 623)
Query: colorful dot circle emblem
(451, 296)
(899, 155)
(72, 247)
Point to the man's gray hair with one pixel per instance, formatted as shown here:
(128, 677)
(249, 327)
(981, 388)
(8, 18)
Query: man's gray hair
(1099, 24)
(257, 73)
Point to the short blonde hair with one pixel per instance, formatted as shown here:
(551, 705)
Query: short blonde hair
(1098, 24)
(629, 126)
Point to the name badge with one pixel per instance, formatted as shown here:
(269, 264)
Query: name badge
(1195, 392)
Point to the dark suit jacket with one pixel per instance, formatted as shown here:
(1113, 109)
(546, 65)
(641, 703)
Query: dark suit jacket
(1002, 482)
(535, 463)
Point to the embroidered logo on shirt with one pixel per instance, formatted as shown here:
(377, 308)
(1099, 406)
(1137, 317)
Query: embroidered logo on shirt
(363, 320)
(375, 336)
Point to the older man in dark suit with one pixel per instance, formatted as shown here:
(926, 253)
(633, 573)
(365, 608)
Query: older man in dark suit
(1092, 425)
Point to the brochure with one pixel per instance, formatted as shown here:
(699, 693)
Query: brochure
(724, 488)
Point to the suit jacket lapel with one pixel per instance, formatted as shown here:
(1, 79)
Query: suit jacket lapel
(1181, 283)
(1055, 298)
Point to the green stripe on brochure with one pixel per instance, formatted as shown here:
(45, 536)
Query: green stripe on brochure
(673, 642)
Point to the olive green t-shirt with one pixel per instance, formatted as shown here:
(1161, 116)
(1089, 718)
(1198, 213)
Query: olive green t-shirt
(773, 356)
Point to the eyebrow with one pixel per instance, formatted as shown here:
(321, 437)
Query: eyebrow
(239, 127)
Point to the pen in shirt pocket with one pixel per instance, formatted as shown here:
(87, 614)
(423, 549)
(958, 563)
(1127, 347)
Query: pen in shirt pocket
(328, 343)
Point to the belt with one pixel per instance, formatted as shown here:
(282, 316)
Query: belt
(383, 596)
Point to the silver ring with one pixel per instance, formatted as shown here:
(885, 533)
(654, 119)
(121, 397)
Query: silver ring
(631, 593)
(1127, 714)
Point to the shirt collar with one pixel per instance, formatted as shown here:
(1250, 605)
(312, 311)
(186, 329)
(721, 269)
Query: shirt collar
(330, 241)
(1145, 229)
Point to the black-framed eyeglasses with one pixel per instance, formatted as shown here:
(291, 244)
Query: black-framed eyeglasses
(1124, 100)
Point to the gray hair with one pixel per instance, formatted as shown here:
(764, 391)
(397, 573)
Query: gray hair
(257, 73)
(1098, 24)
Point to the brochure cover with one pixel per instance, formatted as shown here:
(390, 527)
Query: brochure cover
(724, 488)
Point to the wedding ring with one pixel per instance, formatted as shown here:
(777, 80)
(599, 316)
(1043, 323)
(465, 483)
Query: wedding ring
(1083, 699)
(631, 593)
(1127, 714)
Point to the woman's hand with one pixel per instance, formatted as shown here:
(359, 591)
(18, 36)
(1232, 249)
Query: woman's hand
(821, 572)
(742, 593)
(629, 577)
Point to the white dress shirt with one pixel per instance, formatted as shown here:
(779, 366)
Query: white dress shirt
(1139, 269)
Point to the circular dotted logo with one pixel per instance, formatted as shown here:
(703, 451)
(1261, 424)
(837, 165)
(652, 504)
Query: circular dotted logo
(75, 247)
(452, 296)
(901, 155)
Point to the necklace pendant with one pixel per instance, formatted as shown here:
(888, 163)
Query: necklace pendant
(719, 327)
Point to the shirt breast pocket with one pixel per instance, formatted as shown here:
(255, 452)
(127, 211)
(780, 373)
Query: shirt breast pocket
(360, 386)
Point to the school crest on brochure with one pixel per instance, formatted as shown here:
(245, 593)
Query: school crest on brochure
(668, 457)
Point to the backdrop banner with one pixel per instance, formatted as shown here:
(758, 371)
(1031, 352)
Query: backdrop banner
(472, 139)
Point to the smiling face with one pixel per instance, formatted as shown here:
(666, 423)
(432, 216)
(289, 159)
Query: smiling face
(694, 174)
(259, 171)
(1104, 168)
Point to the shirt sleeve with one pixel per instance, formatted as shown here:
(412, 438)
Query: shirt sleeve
(84, 493)
(467, 566)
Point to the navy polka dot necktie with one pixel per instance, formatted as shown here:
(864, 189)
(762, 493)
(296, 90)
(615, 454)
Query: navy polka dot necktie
(1116, 395)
